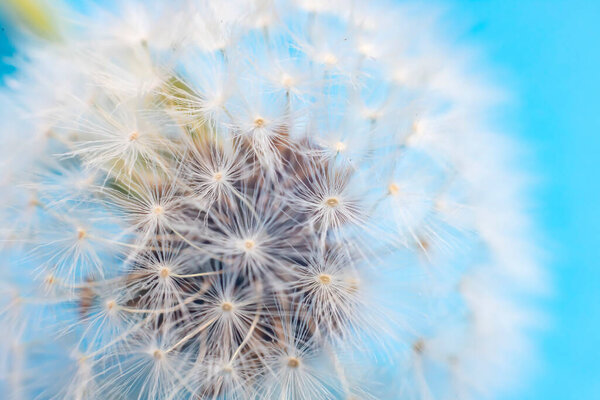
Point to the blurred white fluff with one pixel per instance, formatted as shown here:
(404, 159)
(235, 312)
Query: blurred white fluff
(257, 199)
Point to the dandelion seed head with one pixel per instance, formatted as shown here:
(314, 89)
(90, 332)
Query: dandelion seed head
(256, 199)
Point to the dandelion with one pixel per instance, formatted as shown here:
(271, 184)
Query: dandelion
(256, 199)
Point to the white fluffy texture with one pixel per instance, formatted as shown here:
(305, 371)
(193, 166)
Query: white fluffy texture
(268, 199)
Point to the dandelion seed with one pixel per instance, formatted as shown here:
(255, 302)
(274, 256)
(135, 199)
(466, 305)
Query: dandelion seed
(287, 81)
(332, 202)
(165, 272)
(293, 362)
(393, 189)
(133, 136)
(227, 306)
(81, 233)
(259, 122)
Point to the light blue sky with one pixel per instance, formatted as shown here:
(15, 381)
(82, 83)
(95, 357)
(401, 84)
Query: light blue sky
(549, 55)
(550, 52)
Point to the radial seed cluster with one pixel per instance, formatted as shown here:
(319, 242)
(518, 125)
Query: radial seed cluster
(255, 200)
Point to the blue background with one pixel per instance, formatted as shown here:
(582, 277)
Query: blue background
(549, 51)
(548, 54)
